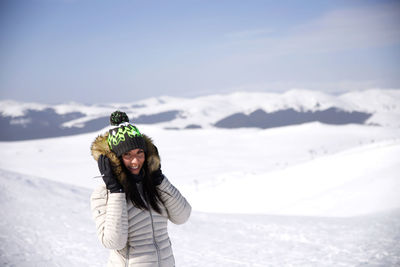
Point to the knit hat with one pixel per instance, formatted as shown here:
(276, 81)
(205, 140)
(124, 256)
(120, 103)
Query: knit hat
(124, 136)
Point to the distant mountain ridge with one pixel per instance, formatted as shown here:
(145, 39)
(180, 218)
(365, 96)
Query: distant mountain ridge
(23, 121)
(261, 119)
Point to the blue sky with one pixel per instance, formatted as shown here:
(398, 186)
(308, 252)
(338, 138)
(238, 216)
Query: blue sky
(95, 51)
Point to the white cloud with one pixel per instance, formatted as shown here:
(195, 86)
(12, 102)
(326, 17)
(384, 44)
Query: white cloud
(304, 56)
(350, 29)
(338, 30)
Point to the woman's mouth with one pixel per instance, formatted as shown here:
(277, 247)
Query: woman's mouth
(133, 168)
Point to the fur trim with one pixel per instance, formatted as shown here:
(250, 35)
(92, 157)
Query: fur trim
(100, 147)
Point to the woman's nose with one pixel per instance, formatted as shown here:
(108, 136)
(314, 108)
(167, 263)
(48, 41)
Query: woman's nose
(134, 160)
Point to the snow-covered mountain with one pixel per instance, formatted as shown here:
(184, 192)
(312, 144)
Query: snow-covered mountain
(22, 121)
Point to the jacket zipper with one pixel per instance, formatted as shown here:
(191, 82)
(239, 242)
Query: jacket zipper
(127, 255)
(154, 237)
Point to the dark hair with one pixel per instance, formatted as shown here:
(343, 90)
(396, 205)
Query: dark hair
(150, 192)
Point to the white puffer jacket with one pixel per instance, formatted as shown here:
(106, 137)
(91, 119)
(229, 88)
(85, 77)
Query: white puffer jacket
(138, 238)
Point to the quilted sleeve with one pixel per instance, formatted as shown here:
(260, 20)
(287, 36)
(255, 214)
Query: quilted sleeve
(110, 215)
(178, 208)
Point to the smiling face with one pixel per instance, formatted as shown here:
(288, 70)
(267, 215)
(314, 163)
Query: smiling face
(133, 160)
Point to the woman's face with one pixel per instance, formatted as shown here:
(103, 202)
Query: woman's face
(133, 160)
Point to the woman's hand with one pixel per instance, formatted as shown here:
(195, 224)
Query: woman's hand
(157, 175)
(109, 179)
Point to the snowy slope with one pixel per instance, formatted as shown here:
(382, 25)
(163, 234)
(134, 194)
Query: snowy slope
(45, 223)
(311, 169)
(195, 158)
(357, 181)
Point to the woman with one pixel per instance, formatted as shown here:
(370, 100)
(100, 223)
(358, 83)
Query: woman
(133, 206)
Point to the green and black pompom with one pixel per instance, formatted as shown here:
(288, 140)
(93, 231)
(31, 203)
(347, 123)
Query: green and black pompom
(118, 117)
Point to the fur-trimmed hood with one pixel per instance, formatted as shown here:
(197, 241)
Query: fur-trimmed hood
(100, 147)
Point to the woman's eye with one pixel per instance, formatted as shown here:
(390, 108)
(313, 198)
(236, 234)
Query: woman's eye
(126, 155)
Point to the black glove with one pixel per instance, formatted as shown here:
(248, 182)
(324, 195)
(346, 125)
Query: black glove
(109, 179)
(157, 176)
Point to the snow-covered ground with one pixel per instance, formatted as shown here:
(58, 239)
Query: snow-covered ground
(306, 195)
(45, 223)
